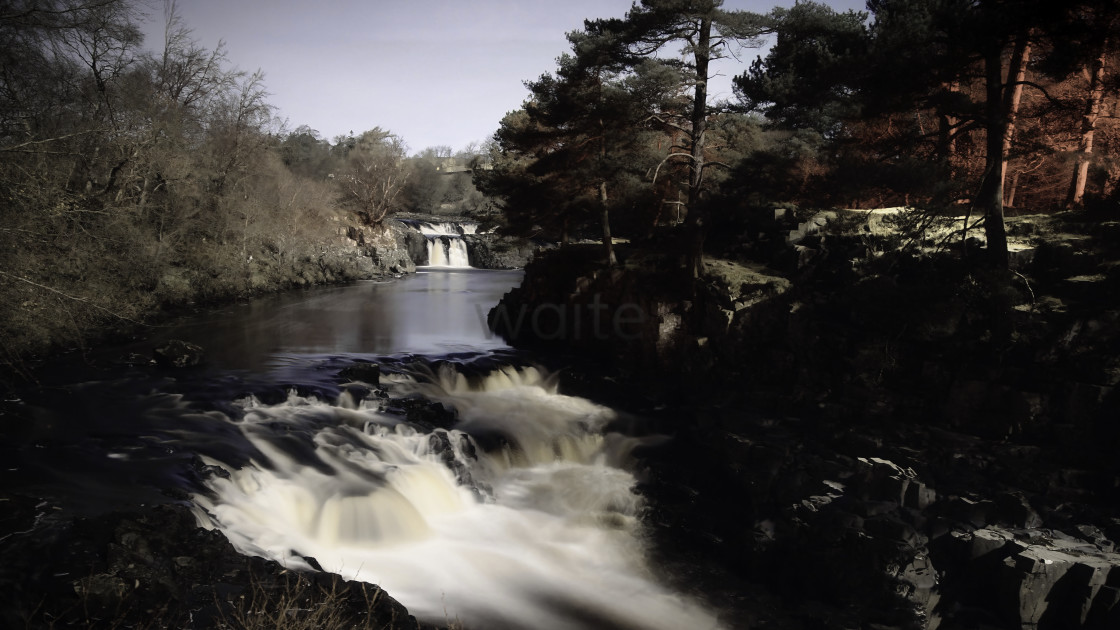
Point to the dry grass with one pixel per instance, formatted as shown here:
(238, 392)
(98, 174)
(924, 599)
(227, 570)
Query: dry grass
(298, 604)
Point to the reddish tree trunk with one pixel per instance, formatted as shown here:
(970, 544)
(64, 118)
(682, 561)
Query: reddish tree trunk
(1088, 129)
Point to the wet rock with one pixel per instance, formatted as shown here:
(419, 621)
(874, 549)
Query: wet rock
(177, 353)
(919, 578)
(1094, 535)
(422, 412)
(365, 372)
(919, 496)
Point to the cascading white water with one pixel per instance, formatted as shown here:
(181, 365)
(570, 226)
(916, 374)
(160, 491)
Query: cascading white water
(437, 252)
(540, 531)
(446, 247)
(447, 251)
(457, 253)
(445, 228)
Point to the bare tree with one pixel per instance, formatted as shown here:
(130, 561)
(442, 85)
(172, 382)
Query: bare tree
(374, 175)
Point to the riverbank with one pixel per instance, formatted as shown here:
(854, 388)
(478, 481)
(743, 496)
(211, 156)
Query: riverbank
(43, 321)
(863, 430)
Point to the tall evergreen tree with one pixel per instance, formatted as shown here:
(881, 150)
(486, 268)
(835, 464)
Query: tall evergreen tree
(707, 32)
(584, 129)
(810, 77)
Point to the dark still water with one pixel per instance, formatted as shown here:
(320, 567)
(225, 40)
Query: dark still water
(429, 313)
(459, 479)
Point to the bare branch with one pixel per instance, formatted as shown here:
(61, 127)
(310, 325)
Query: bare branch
(667, 158)
(669, 124)
(1056, 102)
(71, 297)
(17, 148)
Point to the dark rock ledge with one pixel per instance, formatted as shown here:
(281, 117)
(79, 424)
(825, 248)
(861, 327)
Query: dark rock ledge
(155, 568)
(864, 434)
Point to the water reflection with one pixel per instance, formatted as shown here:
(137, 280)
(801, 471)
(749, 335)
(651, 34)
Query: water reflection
(431, 312)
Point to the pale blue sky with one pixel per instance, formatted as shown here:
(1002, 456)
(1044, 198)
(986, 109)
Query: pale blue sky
(435, 72)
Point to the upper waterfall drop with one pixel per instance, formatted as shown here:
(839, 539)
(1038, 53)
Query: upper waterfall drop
(445, 228)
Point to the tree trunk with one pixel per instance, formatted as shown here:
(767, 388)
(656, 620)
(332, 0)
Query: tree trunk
(695, 222)
(608, 242)
(1012, 189)
(947, 132)
(990, 196)
(1016, 74)
(1088, 128)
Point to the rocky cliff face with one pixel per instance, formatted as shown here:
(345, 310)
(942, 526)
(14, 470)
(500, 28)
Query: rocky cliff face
(386, 245)
(357, 253)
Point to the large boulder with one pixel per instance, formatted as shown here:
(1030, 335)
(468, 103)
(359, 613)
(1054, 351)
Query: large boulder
(176, 353)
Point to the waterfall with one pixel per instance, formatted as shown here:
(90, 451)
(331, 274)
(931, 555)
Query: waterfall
(521, 514)
(447, 251)
(446, 247)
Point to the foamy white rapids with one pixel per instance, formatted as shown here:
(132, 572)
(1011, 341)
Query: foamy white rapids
(541, 531)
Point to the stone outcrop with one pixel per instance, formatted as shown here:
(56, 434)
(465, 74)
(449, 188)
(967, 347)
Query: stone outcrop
(386, 245)
(856, 333)
(954, 459)
(646, 318)
(908, 527)
(495, 251)
(417, 246)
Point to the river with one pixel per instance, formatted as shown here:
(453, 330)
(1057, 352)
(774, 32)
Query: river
(456, 475)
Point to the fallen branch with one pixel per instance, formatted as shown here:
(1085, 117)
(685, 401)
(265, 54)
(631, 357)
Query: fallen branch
(76, 299)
